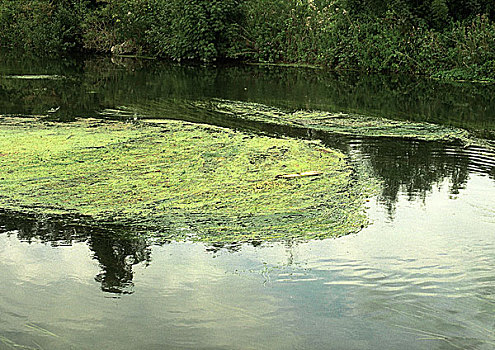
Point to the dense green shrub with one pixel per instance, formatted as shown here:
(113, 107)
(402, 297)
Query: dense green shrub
(41, 26)
(132, 22)
(277, 30)
(99, 29)
(178, 29)
(202, 29)
(469, 49)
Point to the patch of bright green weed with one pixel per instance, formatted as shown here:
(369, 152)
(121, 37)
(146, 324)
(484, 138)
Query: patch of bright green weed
(340, 123)
(180, 180)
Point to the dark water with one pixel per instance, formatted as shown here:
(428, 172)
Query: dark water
(422, 276)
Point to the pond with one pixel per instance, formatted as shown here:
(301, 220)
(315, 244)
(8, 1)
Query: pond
(419, 276)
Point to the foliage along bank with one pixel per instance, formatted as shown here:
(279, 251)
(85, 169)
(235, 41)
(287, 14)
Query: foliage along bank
(443, 38)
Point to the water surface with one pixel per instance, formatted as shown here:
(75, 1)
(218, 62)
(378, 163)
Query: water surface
(420, 277)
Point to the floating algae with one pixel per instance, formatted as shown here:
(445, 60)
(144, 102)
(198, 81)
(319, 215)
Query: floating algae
(340, 123)
(179, 180)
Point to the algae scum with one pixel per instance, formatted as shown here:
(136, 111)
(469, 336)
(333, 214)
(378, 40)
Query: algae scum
(341, 123)
(179, 180)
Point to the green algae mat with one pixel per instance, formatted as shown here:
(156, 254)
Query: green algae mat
(340, 123)
(179, 180)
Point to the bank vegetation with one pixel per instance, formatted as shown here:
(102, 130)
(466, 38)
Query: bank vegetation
(441, 38)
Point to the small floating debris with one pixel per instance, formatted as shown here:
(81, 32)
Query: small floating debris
(53, 110)
(35, 77)
(40, 330)
(121, 112)
(306, 173)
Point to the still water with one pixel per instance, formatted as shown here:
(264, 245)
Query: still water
(421, 276)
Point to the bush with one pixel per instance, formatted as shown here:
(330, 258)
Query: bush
(472, 45)
(204, 30)
(43, 26)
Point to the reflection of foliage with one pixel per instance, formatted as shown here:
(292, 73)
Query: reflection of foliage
(414, 168)
(116, 257)
(115, 251)
(92, 85)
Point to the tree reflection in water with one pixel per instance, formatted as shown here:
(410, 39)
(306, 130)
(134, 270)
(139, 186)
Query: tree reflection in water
(115, 251)
(416, 168)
